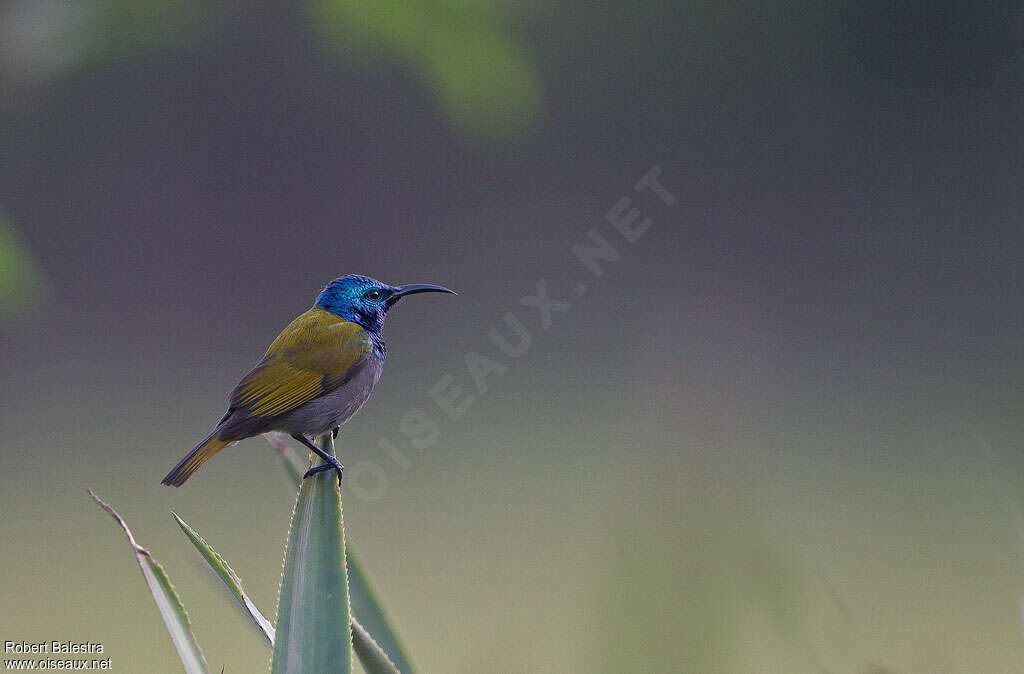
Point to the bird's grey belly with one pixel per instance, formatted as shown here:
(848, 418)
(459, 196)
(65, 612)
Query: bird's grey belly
(335, 408)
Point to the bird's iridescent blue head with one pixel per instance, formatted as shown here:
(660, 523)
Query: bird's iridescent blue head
(365, 301)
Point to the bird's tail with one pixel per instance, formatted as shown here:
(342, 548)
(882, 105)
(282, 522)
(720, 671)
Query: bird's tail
(199, 455)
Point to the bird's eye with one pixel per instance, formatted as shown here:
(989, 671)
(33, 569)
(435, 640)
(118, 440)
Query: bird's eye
(374, 295)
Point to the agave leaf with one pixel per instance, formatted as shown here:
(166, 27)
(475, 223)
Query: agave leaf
(373, 657)
(291, 460)
(365, 604)
(228, 576)
(167, 601)
(21, 282)
(371, 614)
(313, 605)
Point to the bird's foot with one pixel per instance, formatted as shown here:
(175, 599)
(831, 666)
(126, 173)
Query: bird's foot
(335, 464)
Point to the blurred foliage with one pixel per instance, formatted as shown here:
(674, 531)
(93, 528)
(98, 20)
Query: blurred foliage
(466, 50)
(41, 38)
(149, 23)
(20, 281)
(700, 620)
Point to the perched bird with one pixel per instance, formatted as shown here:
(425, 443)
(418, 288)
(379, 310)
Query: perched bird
(314, 377)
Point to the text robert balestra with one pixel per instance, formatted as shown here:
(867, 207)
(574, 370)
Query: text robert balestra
(52, 647)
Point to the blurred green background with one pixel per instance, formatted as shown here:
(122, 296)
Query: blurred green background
(781, 434)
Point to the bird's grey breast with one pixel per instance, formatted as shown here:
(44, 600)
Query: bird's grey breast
(332, 409)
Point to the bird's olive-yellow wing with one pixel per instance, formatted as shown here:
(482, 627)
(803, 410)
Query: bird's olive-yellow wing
(315, 354)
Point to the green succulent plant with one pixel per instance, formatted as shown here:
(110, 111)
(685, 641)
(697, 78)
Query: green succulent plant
(320, 585)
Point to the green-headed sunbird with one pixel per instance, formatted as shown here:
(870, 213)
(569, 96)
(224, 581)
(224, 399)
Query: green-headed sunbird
(314, 377)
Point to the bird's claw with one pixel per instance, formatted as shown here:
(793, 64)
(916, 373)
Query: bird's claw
(316, 469)
(326, 466)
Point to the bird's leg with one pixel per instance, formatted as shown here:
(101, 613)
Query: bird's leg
(334, 433)
(331, 461)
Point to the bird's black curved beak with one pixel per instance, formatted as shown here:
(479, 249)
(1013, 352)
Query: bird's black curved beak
(413, 288)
